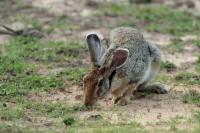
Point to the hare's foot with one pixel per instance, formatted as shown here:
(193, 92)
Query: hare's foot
(121, 101)
(116, 95)
(155, 88)
(124, 99)
(115, 100)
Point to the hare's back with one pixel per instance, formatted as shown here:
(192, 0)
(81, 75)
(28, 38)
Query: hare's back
(126, 35)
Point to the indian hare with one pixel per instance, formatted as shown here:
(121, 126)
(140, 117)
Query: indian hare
(128, 64)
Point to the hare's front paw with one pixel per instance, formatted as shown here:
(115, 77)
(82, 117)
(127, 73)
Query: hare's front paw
(115, 100)
(122, 101)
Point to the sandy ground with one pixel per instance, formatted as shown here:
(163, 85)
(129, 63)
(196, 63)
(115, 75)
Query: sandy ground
(147, 109)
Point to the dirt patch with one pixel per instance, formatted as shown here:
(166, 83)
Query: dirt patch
(152, 108)
(180, 59)
(76, 94)
(71, 95)
(4, 39)
(185, 58)
(56, 95)
(159, 39)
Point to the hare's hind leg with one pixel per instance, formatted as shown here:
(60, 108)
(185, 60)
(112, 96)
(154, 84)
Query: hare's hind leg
(146, 86)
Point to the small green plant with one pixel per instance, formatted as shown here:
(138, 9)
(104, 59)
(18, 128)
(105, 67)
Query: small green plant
(198, 64)
(79, 107)
(168, 66)
(68, 121)
(173, 126)
(197, 43)
(198, 60)
(192, 97)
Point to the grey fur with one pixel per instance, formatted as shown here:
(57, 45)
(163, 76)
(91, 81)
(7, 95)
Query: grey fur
(141, 53)
(95, 48)
(139, 69)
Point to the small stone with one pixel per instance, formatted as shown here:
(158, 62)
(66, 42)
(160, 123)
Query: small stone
(4, 105)
(49, 123)
(29, 119)
(78, 97)
(94, 117)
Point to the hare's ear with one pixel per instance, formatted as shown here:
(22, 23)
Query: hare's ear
(95, 49)
(120, 56)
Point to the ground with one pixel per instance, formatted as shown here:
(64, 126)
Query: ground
(41, 79)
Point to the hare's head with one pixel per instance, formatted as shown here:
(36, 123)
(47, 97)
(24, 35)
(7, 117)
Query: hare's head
(104, 64)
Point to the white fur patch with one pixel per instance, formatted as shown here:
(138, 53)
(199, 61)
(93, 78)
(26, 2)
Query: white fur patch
(147, 75)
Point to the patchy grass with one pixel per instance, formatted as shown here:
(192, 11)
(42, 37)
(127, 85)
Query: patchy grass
(11, 114)
(197, 43)
(101, 126)
(198, 64)
(62, 23)
(197, 121)
(153, 18)
(164, 78)
(81, 107)
(15, 128)
(188, 78)
(22, 84)
(73, 73)
(197, 116)
(10, 64)
(34, 49)
(176, 46)
(18, 76)
(174, 123)
(28, 20)
(168, 66)
(48, 109)
(192, 97)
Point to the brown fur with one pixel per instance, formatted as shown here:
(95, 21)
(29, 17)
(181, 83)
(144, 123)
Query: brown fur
(90, 83)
